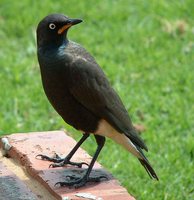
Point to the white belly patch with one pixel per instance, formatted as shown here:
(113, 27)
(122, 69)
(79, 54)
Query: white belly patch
(105, 129)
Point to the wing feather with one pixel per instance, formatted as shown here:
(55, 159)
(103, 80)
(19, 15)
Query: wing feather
(89, 85)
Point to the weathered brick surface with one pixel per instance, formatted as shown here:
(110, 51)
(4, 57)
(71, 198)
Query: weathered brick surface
(11, 187)
(26, 146)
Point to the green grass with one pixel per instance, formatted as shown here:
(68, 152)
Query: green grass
(146, 48)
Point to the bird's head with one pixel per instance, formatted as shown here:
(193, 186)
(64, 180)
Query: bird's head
(52, 29)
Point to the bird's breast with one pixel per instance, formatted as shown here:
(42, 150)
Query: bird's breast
(55, 79)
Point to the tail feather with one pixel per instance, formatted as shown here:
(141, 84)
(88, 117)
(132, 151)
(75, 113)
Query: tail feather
(145, 163)
(148, 168)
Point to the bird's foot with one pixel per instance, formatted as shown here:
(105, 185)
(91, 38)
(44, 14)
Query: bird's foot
(60, 162)
(77, 182)
(56, 158)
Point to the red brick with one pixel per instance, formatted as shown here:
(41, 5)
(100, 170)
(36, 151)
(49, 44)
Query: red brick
(11, 187)
(26, 146)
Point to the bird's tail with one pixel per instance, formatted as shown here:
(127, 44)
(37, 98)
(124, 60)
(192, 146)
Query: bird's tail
(145, 163)
(148, 168)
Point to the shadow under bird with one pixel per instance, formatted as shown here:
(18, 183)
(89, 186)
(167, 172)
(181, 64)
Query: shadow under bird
(81, 94)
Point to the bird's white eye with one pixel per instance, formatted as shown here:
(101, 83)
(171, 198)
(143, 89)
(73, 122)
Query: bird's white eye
(52, 26)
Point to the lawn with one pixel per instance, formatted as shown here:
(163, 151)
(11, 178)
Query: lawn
(146, 48)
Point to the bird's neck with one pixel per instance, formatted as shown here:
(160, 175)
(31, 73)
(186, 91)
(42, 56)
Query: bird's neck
(53, 45)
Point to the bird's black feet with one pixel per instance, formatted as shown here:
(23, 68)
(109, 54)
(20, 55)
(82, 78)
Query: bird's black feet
(77, 182)
(60, 162)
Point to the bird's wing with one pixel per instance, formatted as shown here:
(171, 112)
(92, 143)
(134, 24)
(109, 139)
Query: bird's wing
(89, 85)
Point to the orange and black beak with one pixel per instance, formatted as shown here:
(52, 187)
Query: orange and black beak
(68, 24)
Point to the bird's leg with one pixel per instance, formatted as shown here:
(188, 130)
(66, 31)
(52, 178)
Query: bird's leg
(77, 181)
(59, 162)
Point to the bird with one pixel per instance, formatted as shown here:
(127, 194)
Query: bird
(82, 95)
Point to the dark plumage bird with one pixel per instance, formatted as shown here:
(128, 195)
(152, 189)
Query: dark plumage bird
(81, 94)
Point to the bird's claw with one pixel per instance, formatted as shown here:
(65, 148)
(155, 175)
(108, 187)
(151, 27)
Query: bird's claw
(42, 157)
(77, 182)
(54, 165)
(67, 162)
(79, 165)
(59, 162)
(56, 158)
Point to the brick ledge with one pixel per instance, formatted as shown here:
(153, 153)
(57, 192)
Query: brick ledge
(26, 146)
